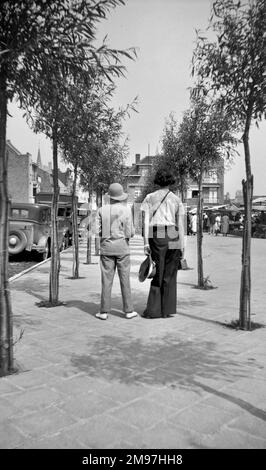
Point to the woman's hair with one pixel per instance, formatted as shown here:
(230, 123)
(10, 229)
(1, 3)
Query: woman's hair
(163, 177)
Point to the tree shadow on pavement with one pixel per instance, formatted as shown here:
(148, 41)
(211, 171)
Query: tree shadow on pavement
(91, 307)
(205, 320)
(165, 361)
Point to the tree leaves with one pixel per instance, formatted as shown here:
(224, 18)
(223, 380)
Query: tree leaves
(234, 66)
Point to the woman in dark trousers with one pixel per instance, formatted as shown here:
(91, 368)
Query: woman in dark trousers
(164, 240)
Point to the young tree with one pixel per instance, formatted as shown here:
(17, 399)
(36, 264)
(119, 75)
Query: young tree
(83, 112)
(77, 62)
(103, 157)
(24, 27)
(61, 31)
(233, 66)
(174, 155)
(205, 136)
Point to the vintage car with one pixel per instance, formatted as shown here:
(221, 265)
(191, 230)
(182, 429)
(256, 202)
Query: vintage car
(30, 229)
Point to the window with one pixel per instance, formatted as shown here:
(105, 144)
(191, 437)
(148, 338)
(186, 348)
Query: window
(20, 213)
(15, 212)
(24, 214)
(61, 212)
(144, 172)
(213, 195)
(137, 192)
(210, 176)
(68, 212)
(45, 216)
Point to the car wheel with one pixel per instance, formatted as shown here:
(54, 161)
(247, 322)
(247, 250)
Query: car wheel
(17, 242)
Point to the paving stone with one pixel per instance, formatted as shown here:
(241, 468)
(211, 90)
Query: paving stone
(43, 422)
(10, 437)
(29, 379)
(233, 439)
(57, 441)
(7, 386)
(7, 411)
(101, 433)
(165, 435)
(77, 385)
(201, 418)
(126, 393)
(87, 406)
(143, 413)
(252, 424)
(34, 399)
(177, 397)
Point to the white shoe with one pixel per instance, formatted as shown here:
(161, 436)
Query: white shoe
(131, 315)
(101, 316)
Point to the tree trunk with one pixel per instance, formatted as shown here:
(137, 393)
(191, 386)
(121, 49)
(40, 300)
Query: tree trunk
(75, 239)
(89, 230)
(97, 240)
(6, 317)
(200, 234)
(245, 288)
(55, 256)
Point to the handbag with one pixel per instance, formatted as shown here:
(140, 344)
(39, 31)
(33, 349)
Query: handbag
(182, 264)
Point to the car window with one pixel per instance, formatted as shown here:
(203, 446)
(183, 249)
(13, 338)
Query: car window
(20, 213)
(15, 212)
(24, 213)
(61, 211)
(44, 216)
(68, 212)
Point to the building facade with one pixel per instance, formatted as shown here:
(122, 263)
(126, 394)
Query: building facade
(136, 176)
(20, 175)
(213, 182)
(212, 187)
(26, 178)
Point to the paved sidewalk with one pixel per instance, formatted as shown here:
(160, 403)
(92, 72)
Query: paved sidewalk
(179, 383)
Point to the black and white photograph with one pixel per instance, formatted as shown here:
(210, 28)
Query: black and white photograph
(132, 230)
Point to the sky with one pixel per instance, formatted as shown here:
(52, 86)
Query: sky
(163, 33)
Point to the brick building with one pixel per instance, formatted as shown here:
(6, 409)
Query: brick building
(136, 176)
(212, 187)
(20, 175)
(213, 182)
(26, 178)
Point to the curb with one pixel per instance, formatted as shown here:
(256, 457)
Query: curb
(13, 278)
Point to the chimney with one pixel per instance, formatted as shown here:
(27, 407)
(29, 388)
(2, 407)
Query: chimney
(137, 158)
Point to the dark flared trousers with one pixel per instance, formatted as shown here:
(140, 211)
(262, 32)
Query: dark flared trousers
(162, 296)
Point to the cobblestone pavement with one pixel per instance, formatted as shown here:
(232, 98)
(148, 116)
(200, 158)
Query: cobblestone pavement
(186, 382)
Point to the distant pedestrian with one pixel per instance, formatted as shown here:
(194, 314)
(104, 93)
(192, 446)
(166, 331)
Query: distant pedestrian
(205, 222)
(212, 223)
(217, 226)
(189, 230)
(225, 225)
(115, 228)
(164, 240)
(194, 221)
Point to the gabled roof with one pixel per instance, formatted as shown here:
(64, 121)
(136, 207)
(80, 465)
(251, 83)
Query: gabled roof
(12, 147)
(146, 160)
(132, 171)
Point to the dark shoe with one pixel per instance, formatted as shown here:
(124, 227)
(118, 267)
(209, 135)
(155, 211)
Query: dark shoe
(146, 315)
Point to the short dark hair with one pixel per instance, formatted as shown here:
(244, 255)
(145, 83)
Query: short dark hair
(163, 178)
